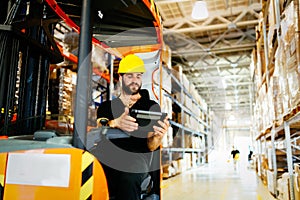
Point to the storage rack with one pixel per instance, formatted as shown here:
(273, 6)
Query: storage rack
(277, 138)
(284, 140)
(183, 148)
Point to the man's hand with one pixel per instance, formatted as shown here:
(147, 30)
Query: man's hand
(124, 122)
(155, 138)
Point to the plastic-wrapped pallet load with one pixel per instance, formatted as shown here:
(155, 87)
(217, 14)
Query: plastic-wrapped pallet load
(271, 181)
(66, 96)
(297, 181)
(290, 37)
(283, 187)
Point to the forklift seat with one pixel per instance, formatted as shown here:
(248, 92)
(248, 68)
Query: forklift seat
(43, 135)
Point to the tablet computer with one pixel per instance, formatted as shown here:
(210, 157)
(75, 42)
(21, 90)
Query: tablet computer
(147, 115)
(146, 120)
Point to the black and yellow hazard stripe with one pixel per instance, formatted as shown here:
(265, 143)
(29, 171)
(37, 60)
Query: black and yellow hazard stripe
(1, 186)
(87, 180)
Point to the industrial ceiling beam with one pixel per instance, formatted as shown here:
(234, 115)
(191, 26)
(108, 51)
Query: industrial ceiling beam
(221, 17)
(215, 49)
(244, 76)
(221, 66)
(214, 85)
(220, 50)
(203, 28)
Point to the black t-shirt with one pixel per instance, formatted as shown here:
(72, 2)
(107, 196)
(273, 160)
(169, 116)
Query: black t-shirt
(234, 152)
(138, 139)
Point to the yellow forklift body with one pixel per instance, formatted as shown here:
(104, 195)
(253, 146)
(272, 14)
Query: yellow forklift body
(48, 174)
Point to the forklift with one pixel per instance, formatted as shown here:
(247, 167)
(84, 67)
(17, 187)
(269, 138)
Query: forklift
(35, 161)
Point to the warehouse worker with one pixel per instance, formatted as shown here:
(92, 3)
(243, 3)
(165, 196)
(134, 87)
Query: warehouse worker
(126, 184)
(235, 157)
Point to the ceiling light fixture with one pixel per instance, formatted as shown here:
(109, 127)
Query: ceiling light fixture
(200, 10)
(233, 65)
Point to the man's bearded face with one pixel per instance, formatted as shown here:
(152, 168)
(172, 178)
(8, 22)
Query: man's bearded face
(132, 83)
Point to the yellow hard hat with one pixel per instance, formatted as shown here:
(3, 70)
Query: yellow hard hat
(130, 64)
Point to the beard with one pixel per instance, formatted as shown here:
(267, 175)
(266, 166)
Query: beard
(127, 88)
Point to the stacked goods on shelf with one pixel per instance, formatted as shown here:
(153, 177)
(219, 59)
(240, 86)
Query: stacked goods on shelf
(278, 94)
(297, 181)
(61, 98)
(66, 99)
(182, 144)
(271, 101)
(275, 98)
(290, 40)
(194, 104)
(267, 173)
(170, 170)
(190, 117)
(280, 72)
(261, 109)
(259, 55)
(271, 35)
(264, 168)
(167, 107)
(159, 86)
(284, 187)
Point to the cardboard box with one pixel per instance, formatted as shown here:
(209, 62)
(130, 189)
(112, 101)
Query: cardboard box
(271, 180)
(297, 181)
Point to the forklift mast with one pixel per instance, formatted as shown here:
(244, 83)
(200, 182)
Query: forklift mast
(26, 52)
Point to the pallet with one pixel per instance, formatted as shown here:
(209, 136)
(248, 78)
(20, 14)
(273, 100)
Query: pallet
(292, 113)
(278, 122)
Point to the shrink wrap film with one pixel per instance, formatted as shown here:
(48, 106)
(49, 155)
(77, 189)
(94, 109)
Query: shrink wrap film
(293, 78)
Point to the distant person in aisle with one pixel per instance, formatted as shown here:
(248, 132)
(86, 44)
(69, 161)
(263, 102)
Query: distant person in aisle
(235, 157)
(144, 138)
(250, 157)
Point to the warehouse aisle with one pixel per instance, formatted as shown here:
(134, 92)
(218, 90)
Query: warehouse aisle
(216, 181)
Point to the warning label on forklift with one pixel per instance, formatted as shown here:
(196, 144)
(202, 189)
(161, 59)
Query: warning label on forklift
(38, 169)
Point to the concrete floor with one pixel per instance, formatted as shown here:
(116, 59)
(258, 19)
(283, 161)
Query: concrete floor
(216, 181)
